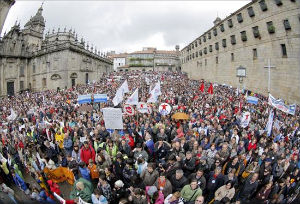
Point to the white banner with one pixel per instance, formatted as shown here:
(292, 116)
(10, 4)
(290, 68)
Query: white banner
(279, 104)
(113, 118)
(154, 93)
(245, 120)
(12, 115)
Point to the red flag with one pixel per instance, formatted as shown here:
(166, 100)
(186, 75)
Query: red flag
(202, 87)
(210, 89)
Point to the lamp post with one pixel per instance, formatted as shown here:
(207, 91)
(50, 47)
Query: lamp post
(241, 73)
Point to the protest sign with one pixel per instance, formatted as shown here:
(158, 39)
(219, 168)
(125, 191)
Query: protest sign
(245, 120)
(164, 109)
(100, 98)
(128, 109)
(113, 118)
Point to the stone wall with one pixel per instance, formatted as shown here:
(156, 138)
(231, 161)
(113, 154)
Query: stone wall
(220, 65)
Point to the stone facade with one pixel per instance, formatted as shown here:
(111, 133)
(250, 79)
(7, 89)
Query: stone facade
(60, 60)
(152, 59)
(5, 5)
(261, 30)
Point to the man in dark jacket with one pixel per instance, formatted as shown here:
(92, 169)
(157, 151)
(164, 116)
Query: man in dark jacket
(161, 150)
(215, 181)
(189, 164)
(199, 176)
(249, 188)
(178, 180)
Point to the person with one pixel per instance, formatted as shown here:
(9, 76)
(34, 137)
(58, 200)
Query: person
(137, 196)
(98, 198)
(249, 188)
(154, 196)
(119, 191)
(199, 200)
(149, 175)
(199, 176)
(84, 171)
(163, 184)
(173, 198)
(190, 192)
(20, 183)
(178, 180)
(87, 152)
(82, 188)
(263, 195)
(225, 191)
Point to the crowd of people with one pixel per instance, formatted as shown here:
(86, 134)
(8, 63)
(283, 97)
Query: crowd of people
(154, 159)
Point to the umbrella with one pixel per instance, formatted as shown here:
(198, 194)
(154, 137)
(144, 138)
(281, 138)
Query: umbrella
(180, 116)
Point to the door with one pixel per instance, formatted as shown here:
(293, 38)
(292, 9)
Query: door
(73, 82)
(86, 78)
(10, 88)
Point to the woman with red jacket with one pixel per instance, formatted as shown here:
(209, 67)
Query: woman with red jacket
(252, 144)
(87, 152)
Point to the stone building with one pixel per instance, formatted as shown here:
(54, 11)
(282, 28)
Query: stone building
(58, 60)
(260, 30)
(5, 5)
(119, 60)
(152, 59)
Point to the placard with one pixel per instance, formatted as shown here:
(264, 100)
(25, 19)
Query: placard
(100, 98)
(113, 118)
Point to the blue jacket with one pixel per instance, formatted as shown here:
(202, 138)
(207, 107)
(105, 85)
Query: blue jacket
(19, 182)
(85, 173)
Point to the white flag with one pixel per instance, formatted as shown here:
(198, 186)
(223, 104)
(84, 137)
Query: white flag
(12, 115)
(237, 91)
(134, 98)
(154, 93)
(120, 93)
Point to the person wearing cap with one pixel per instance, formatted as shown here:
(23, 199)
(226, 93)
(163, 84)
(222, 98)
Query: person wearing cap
(119, 191)
(154, 196)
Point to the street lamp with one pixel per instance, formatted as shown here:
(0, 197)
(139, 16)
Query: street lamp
(241, 73)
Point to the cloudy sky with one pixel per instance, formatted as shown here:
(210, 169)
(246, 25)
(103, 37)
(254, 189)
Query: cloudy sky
(126, 26)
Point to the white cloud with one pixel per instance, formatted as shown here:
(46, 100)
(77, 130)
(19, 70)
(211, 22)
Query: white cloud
(128, 25)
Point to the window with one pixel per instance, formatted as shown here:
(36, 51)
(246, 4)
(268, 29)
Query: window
(286, 24)
(232, 57)
(243, 36)
(263, 5)
(215, 32)
(209, 35)
(33, 68)
(196, 54)
(230, 24)
(224, 42)
(217, 60)
(21, 71)
(193, 55)
(21, 85)
(44, 82)
(196, 44)
(205, 62)
(200, 52)
(283, 50)
(255, 32)
(205, 50)
(222, 28)
(210, 48)
(204, 38)
(200, 41)
(251, 11)
(254, 51)
(278, 2)
(192, 46)
(233, 41)
(271, 28)
(239, 18)
(217, 46)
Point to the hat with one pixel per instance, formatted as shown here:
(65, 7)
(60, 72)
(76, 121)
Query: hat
(152, 190)
(268, 160)
(119, 183)
(80, 185)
